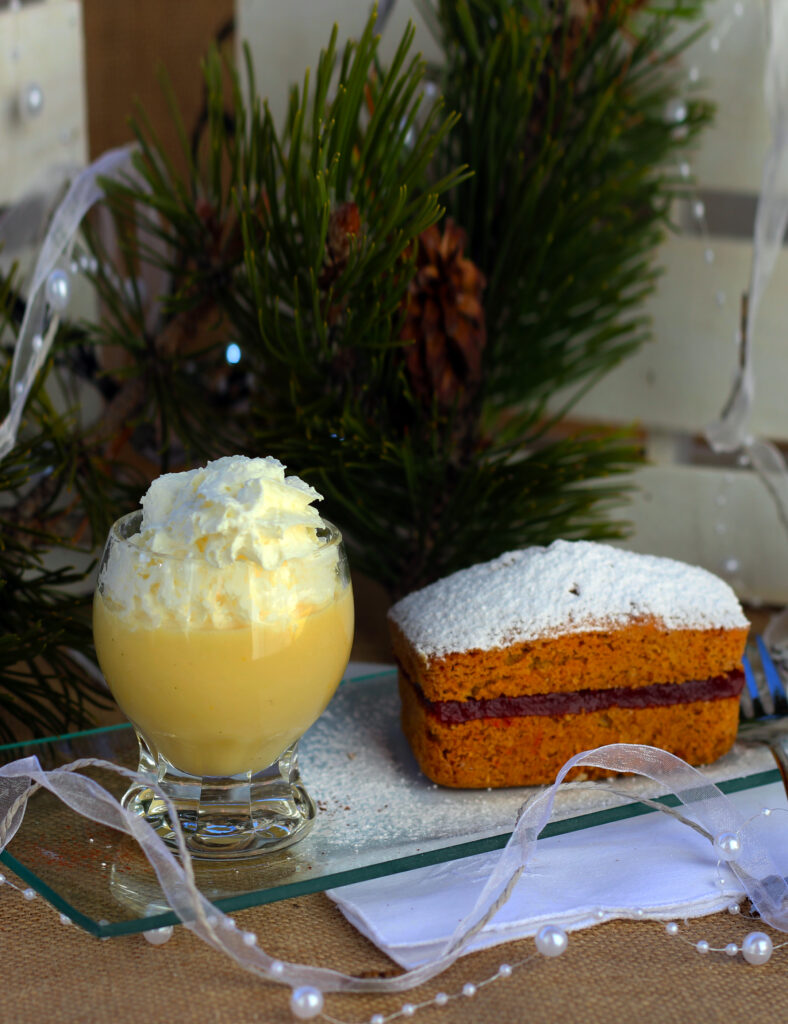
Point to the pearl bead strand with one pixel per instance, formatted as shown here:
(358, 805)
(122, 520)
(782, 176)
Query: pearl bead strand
(550, 940)
(26, 893)
(756, 947)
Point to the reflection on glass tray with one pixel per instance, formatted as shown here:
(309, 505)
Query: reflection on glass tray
(378, 815)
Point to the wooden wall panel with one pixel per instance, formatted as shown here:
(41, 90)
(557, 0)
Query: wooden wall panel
(681, 379)
(728, 62)
(722, 519)
(286, 38)
(40, 49)
(124, 45)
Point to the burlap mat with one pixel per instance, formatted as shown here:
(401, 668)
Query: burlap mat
(616, 973)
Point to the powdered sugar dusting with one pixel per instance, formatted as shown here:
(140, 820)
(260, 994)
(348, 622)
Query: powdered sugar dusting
(568, 587)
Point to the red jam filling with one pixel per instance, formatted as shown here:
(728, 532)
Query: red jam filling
(452, 712)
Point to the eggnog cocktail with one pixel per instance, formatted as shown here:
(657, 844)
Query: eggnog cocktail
(223, 620)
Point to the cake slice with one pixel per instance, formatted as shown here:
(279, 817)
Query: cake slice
(509, 668)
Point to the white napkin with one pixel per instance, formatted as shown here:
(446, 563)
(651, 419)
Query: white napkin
(650, 863)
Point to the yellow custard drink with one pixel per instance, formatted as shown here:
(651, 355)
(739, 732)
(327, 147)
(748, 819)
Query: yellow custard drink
(223, 615)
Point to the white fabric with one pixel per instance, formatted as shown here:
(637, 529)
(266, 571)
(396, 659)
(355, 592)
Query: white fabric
(651, 863)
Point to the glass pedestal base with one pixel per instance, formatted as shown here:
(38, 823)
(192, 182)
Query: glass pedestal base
(225, 818)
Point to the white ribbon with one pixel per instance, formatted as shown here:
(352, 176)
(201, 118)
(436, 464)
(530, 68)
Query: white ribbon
(705, 806)
(35, 339)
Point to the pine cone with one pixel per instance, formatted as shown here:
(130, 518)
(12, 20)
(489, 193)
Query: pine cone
(344, 226)
(445, 321)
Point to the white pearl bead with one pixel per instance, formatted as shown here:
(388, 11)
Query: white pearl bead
(33, 100)
(306, 1002)
(714, 44)
(2, 878)
(377, 1018)
(29, 894)
(698, 210)
(276, 968)
(408, 1009)
(58, 290)
(441, 999)
(250, 939)
(158, 936)
(702, 946)
(19, 387)
(676, 111)
(469, 989)
(551, 940)
(731, 565)
(685, 170)
(65, 919)
(38, 342)
(708, 255)
(731, 949)
(733, 908)
(756, 948)
(505, 971)
(672, 928)
(694, 74)
(727, 845)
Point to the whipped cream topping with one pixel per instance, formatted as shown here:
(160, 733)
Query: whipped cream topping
(568, 587)
(233, 509)
(233, 543)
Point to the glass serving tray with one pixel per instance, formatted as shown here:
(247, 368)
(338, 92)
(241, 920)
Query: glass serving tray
(377, 815)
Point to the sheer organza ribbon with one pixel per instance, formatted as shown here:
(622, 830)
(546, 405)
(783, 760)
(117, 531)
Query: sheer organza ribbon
(705, 807)
(38, 329)
(731, 432)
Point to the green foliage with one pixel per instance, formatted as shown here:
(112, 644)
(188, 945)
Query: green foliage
(46, 650)
(311, 341)
(300, 242)
(569, 200)
(555, 163)
(563, 127)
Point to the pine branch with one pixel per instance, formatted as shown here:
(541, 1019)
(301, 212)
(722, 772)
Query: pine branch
(47, 640)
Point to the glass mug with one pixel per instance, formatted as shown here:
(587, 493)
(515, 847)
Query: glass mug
(218, 710)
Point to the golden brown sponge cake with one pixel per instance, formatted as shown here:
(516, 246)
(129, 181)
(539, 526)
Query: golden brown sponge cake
(509, 668)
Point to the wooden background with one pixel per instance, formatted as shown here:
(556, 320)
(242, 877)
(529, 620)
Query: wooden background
(690, 503)
(125, 44)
